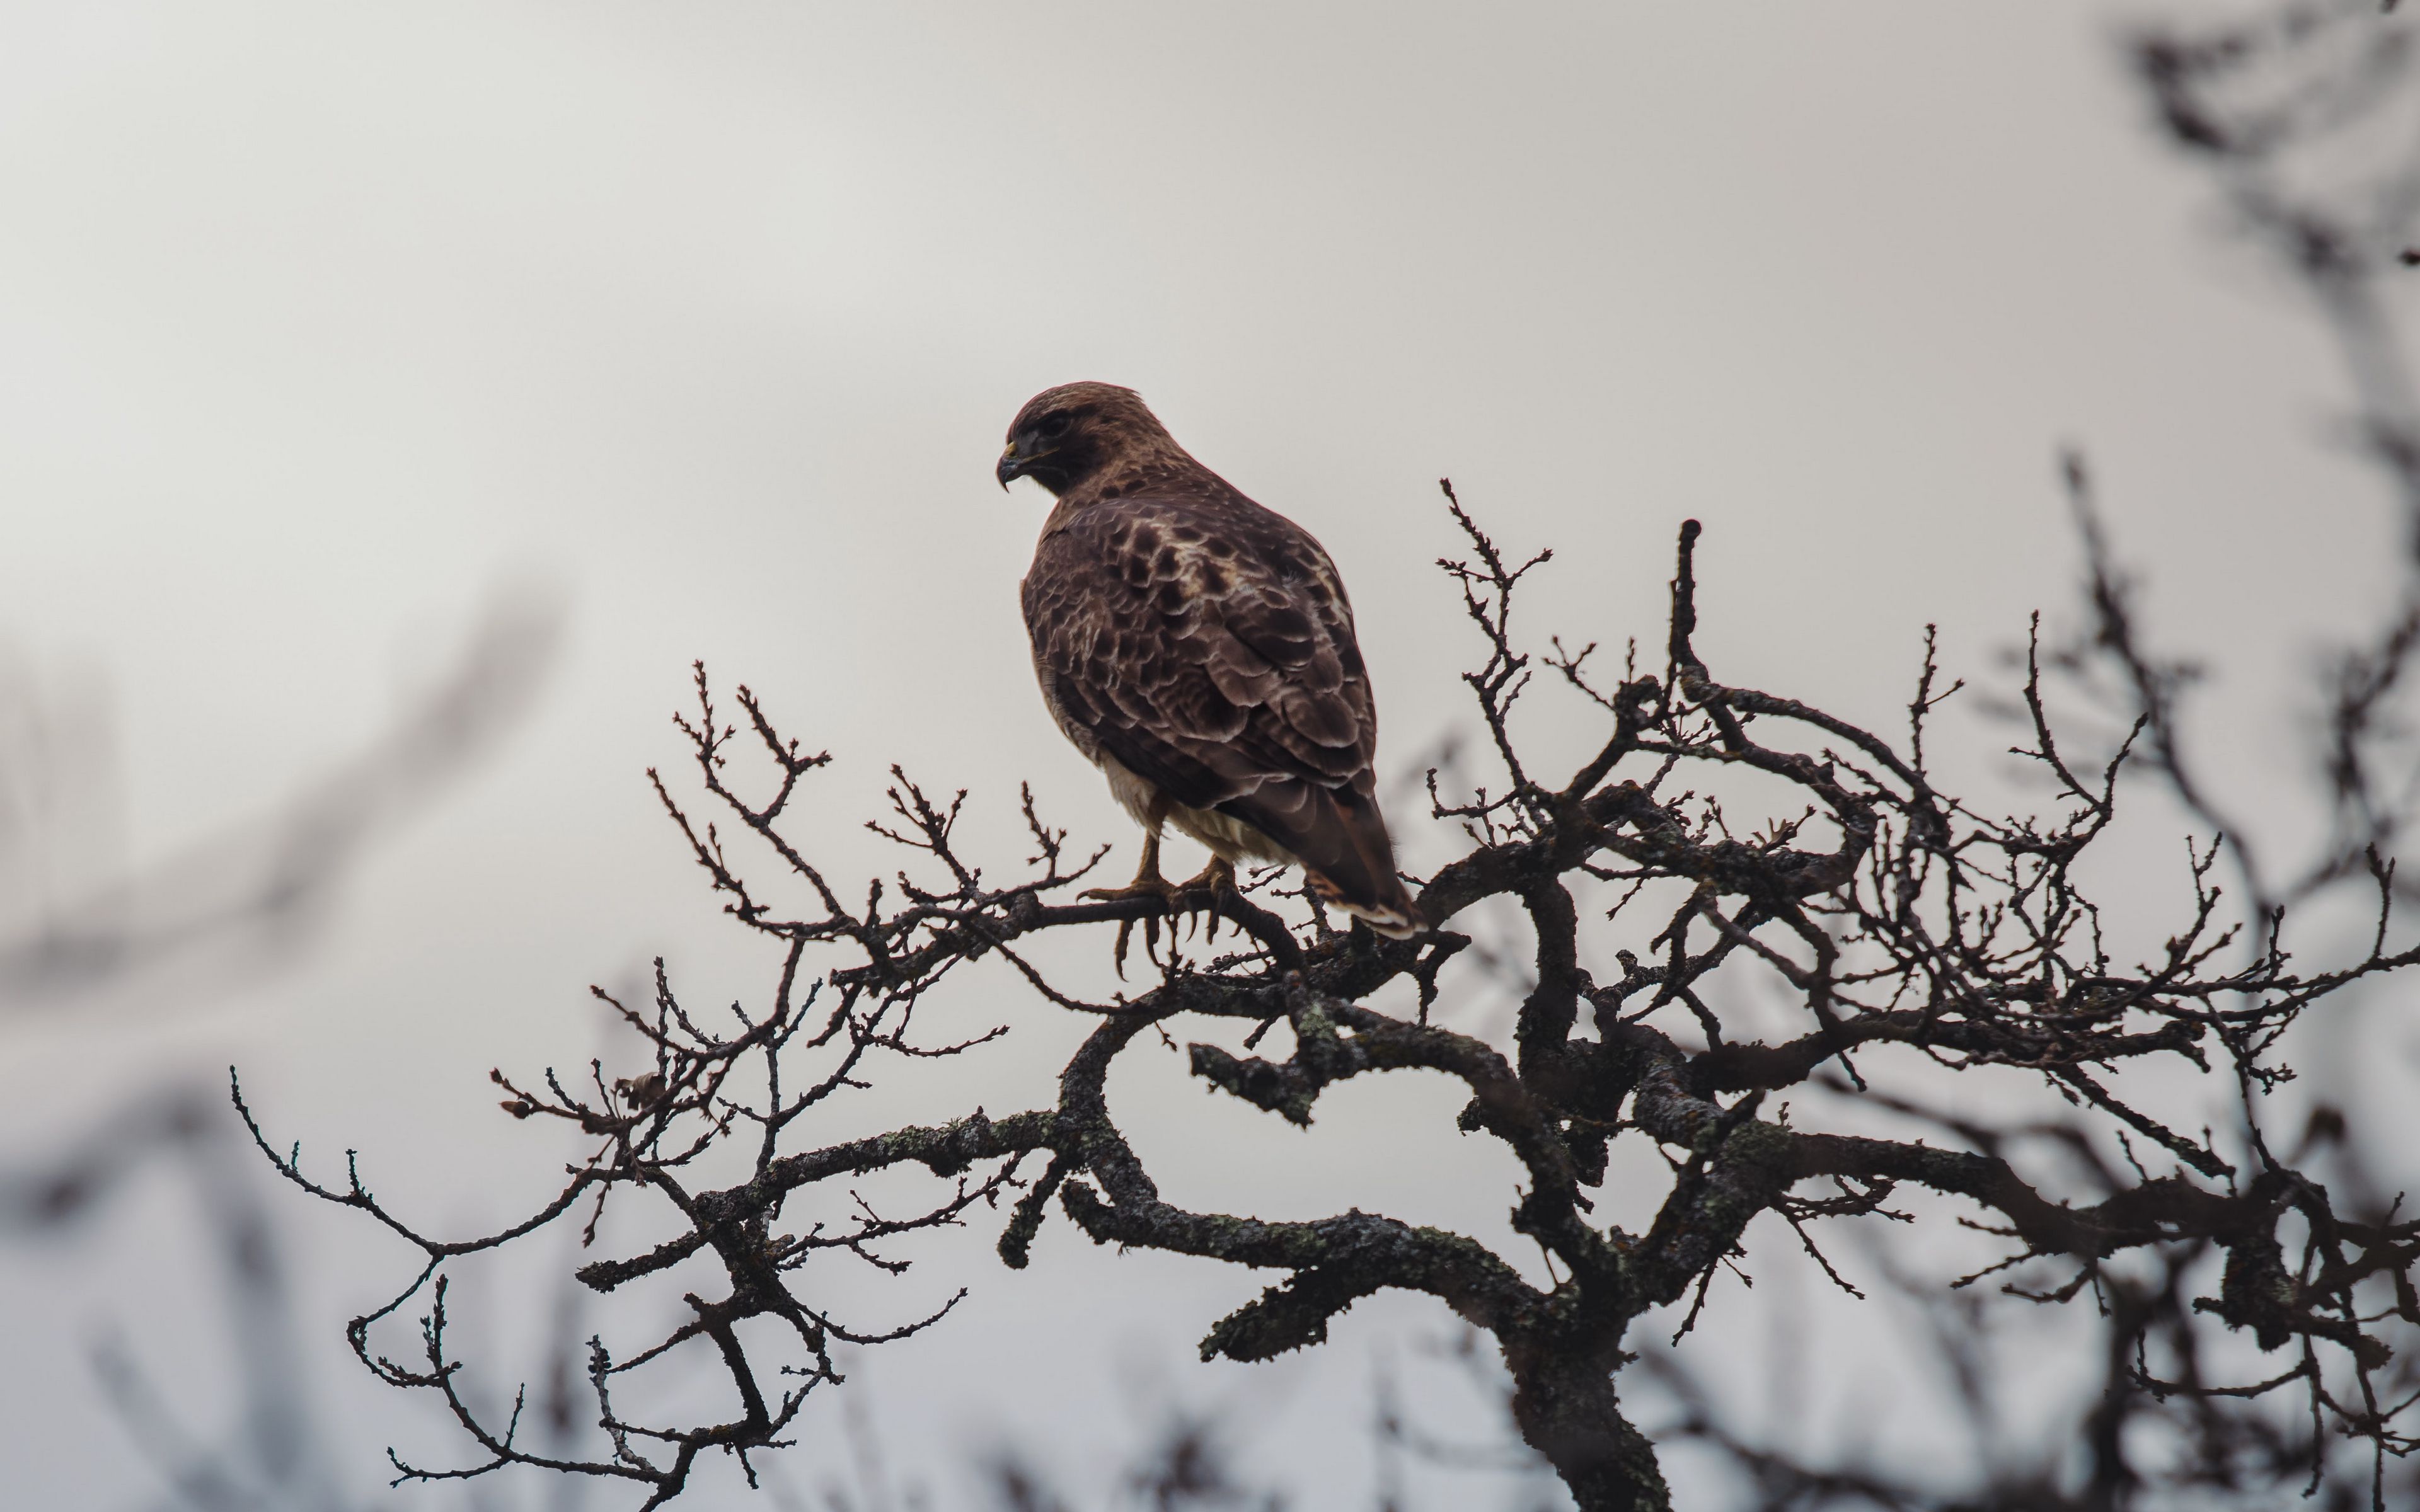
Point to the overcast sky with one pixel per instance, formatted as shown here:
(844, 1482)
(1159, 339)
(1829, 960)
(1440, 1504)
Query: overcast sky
(321, 328)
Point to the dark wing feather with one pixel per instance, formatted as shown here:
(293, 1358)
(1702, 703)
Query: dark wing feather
(1207, 644)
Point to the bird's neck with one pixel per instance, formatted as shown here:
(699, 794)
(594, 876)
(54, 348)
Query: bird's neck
(1167, 471)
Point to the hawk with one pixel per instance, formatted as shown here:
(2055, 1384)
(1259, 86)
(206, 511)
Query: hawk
(1198, 649)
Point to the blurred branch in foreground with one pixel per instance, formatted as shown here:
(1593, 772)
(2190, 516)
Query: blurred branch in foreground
(76, 923)
(258, 887)
(272, 1453)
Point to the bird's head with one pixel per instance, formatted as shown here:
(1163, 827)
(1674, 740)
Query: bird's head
(1069, 434)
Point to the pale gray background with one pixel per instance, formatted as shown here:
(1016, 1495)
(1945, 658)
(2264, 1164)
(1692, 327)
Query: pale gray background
(320, 328)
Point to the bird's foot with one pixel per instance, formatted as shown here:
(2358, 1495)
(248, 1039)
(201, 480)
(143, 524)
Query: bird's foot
(1199, 894)
(1215, 884)
(1148, 884)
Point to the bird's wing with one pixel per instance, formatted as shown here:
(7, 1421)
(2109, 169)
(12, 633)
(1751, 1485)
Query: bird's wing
(1211, 651)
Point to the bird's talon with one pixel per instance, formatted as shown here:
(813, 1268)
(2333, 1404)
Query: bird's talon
(1177, 900)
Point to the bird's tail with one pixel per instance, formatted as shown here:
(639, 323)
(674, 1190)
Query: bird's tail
(1341, 838)
(1397, 918)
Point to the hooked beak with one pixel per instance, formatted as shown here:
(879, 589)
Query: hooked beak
(1011, 467)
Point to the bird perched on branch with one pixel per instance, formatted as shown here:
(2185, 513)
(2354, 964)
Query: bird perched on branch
(1198, 649)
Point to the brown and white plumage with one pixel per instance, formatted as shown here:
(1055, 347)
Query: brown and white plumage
(1198, 649)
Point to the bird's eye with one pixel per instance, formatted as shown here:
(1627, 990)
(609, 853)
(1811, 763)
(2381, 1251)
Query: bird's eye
(1056, 426)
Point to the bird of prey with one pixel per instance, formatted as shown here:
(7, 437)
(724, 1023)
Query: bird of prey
(1198, 649)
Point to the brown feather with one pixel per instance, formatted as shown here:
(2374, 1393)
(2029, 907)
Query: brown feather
(1205, 645)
